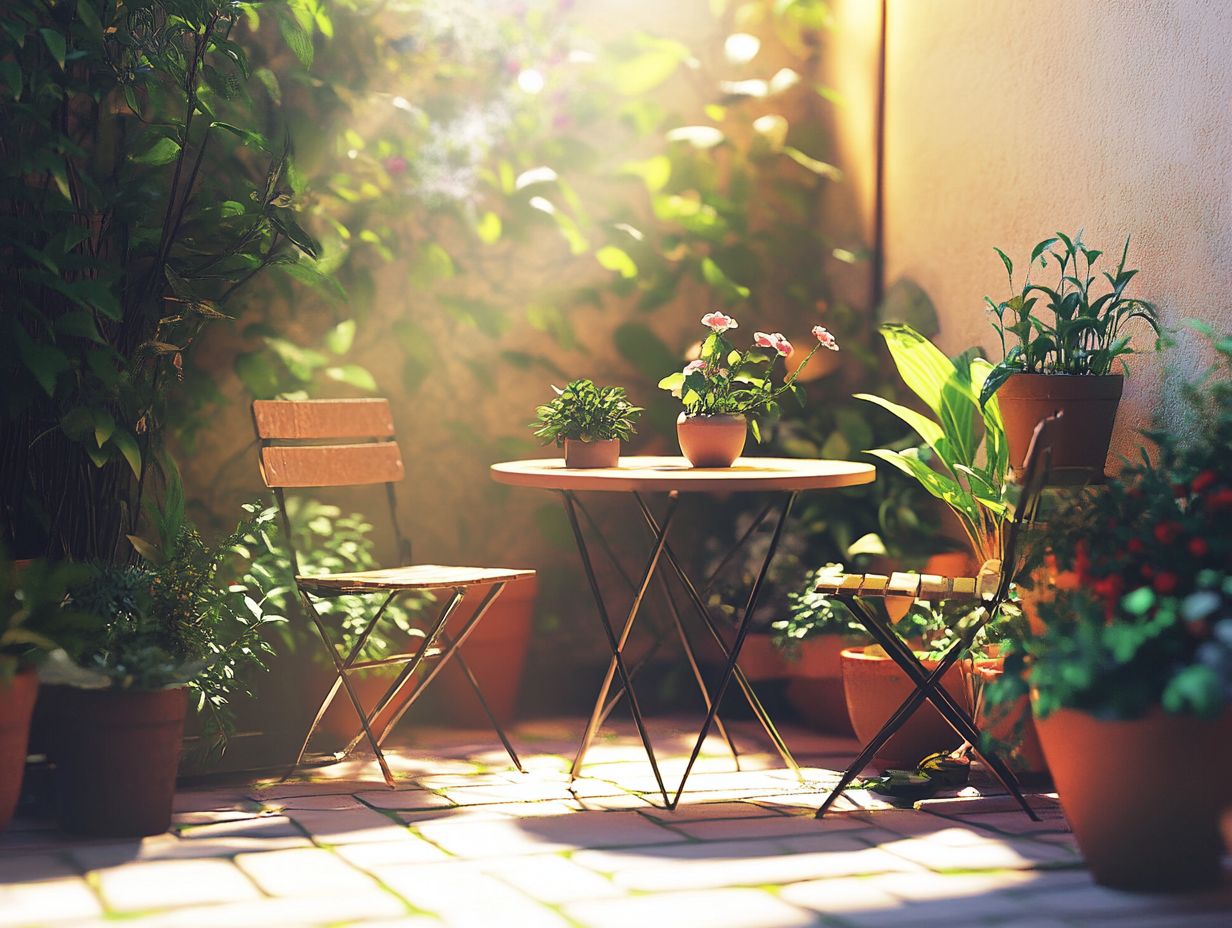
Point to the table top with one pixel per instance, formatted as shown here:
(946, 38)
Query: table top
(662, 474)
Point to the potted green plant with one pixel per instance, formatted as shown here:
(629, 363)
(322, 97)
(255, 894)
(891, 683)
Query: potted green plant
(814, 634)
(1131, 678)
(589, 421)
(1063, 359)
(963, 462)
(182, 623)
(33, 623)
(725, 391)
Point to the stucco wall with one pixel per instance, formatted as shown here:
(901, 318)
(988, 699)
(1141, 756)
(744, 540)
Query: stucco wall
(1008, 119)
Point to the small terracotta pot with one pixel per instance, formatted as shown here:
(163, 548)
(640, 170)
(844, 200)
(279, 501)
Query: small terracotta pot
(816, 687)
(711, 441)
(116, 755)
(495, 652)
(17, 697)
(1080, 438)
(875, 687)
(604, 453)
(1144, 816)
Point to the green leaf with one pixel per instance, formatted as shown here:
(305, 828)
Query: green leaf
(655, 171)
(489, 228)
(639, 74)
(55, 45)
(616, 259)
(298, 40)
(340, 338)
(430, 264)
(10, 73)
(717, 278)
(126, 444)
(820, 168)
(258, 374)
(1009, 265)
(937, 484)
(163, 151)
(247, 136)
(929, 431)
(353, 375)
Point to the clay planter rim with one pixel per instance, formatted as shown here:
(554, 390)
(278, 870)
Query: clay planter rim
(580, 453)
(1063, 386)
(812, 653)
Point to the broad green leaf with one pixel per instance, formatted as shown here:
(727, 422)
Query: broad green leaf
(10, 73)
(940, 486)
(340, 338)
(717, 278)
(126, 444)
(655, 171)
(55, 45)
(616, 259)
(354, 375)
(489, 228)
(929, 431)
(430, 264)
(298, 39)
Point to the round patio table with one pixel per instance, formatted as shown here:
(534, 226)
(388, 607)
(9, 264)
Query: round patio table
(783, 479)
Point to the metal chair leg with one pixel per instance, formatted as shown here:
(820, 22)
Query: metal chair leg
(497, 727)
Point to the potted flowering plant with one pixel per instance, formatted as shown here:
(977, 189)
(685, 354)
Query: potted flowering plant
(1064, 360)
(1131, 677)
(725, 391)
(589, 421)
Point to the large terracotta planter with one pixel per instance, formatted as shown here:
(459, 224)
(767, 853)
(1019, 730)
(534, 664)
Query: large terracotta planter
(1144, 797)
(875, 687)
(815, 689)
(1080, 438)
(760, 658)
(17, 697)
(116, 754)
(711, 441)
(495, 653)
(589, 454)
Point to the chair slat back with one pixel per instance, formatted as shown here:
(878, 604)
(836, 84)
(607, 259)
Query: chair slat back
(322, 419)
(1037, 466)
(331, 465)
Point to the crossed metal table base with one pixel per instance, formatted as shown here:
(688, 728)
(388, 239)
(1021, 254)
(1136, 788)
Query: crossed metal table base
(660, 551)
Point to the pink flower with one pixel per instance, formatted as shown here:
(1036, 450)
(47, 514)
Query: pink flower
(719, 322)
(825, 338)
(776, 340)
(698, 365)
(396, 165)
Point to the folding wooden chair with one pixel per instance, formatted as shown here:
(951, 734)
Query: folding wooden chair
(338, 443)
(991, 589)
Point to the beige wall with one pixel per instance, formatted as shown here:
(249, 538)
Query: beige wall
(1008, 119)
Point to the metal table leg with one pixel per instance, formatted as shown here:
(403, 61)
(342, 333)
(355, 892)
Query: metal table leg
(617, 664)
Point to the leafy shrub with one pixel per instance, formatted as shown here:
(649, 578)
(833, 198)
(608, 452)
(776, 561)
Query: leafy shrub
(584, 412)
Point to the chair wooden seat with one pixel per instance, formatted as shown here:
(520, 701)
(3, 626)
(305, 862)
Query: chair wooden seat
(417, 577)
(927, 587)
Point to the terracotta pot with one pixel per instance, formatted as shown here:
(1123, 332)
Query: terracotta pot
(711, 441)
(1080, 438)
(495, 653)
(1012, 725)
(1045, 583)
(951, 564)
(816, 687)
(592, 453)
(761, 659)
(17, 697)
(874, 687)
(1144, 816)
(116, 755)
(341, 722)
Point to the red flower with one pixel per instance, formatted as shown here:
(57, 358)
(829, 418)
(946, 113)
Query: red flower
(1204, 481)
(1147, 571)
(1109, 588)
(1082, 559)
(1165, 583)
(1180, 489)
(1136, 546)
(1198, 547)
(1167, 532)
(1220, 499)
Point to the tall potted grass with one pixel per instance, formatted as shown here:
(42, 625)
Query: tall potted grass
(1063, 358)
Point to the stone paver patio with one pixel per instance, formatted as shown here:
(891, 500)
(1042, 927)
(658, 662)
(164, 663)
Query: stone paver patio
(465, 840)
